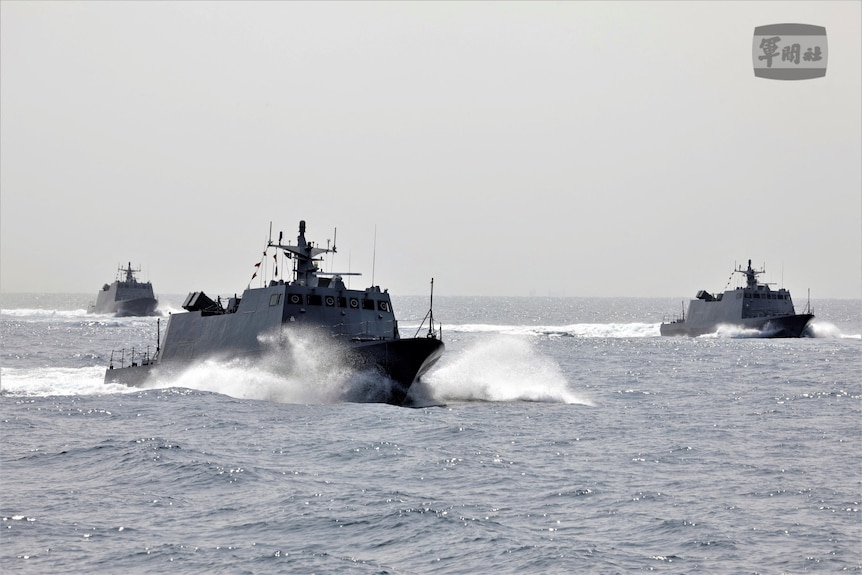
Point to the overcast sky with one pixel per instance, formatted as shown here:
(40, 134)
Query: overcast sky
(574, 148)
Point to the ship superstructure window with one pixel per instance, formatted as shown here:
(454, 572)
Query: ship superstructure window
(383, 305)
(368, 304)
(342, 302)
(275, 299)
(315, 299)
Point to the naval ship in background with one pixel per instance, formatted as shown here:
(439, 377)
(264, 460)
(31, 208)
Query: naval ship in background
(126, 297)
(754, 307)
(361, 322)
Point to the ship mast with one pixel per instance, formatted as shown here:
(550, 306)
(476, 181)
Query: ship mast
(750, 275)
(305, 256)
(130, 273)
(432, 333)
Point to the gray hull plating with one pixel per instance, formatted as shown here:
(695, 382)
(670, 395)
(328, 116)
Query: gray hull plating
(784, 326)
(126, 297)
(754, 307)
(402, 361)
(312, 311)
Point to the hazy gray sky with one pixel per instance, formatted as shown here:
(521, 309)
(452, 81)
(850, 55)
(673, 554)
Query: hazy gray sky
(574, 148)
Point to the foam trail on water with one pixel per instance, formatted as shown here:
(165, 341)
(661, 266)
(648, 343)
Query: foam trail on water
(245, 379)
(503, 368)
(57, 381)
(818, 329)
(606, 330)
(736, 332)
(250, 379)
(36, 313)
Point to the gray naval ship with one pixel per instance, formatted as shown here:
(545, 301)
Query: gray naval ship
(754, 306)
(126, 297)
(361, 322)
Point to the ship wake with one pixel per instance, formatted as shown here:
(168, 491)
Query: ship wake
(579, 330)
(824, 329)
(738, 332)
(499, 369)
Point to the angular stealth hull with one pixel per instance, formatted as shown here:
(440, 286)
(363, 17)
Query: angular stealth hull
(126, 297)
(403, 361)
(773, 327)
(753, 307)
(333, 322)
(128, 307)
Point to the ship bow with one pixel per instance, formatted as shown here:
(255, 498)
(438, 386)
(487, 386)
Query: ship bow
(790, 326)
(403, 361)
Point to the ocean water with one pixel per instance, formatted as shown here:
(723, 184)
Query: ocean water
(556, 435)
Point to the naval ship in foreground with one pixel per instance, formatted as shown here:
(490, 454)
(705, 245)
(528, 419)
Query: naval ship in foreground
(126, 297)
(361, 323)
(755, 307)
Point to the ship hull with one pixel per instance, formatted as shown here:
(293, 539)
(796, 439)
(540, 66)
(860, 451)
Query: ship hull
(129, 307)
(756, 308)
(768, 327)
(403, 361)
(312, 325)
(122, 299)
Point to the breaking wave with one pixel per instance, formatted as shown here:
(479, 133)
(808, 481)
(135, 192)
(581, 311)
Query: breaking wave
(826, 329)
(737, 332)
(297, 366)
(502, 368)
(818, 329)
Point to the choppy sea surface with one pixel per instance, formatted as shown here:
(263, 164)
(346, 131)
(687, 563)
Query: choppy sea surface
(558, 435)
